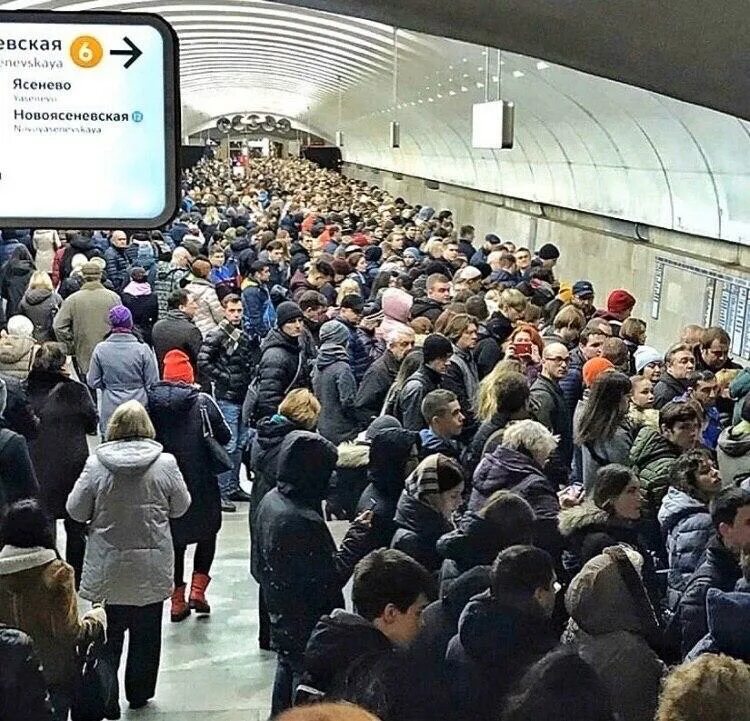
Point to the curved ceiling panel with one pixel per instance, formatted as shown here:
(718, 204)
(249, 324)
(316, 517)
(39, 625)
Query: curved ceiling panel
(581, 141)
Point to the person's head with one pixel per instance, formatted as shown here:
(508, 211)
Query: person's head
(513, 304)
(181, 300)
(350, 308)
(523, 258)
(476, 306)
(648, 362)
(302, 407)
(511, 517)
(120, 319)
(555, 359)
(616, 351)
(568, 324)
(606, 408)
(617, 491)
(217, 256)
(50, 357)
(450, 250)
(320, 273)
(442, 413)
(391, 589)
(25, 525)
(525, 574)
(691, 335)
(680, 361)
(591, 340)
(620, 304)
(334, 333)
(177, 367)
(260, 271)
(696, 474)
(641, 392)
(437, 350)
(400, 342)
(289, 319)
(200, 268)
(276, 251)
(560, 687)
(342, 711)
(466, 232)
(462, 329)
(314, 306)
(582, 296)
(129, 422)
(532, 439)
(180, 257)
(549, 255)
(730, 514)
(40, 280)
(714, 348)
(680, 423)
(438, 482)
(232, 305)
(704, 388)
(438, 288)
(502, 391)
(633, 330)
(118, 239)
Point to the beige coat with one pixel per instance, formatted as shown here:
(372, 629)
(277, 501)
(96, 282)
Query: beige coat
(83, 321)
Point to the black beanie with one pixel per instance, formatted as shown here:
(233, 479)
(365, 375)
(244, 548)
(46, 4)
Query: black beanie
(436, 346)
(548, 252)
(449, 473)
(286, 312)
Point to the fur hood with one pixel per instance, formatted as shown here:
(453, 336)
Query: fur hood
(577, 518)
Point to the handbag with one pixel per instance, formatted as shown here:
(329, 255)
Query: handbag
(219, 460)
(97, 689)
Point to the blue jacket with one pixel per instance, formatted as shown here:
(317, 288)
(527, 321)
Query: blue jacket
(728, 625)
(686, 525)
(258, 313)
(119, 262)
(360, 349)
(572, 383)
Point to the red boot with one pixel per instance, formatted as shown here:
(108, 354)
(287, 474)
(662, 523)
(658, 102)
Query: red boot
(198, 593)
(180, 610)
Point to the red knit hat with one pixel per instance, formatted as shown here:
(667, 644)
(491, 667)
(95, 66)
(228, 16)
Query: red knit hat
(593, 368)
(618, 301)
(177, 367)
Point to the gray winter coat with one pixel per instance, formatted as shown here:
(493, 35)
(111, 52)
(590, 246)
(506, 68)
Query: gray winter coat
(128, 490)
(611, 450)
(686, 524)
(733, 453)
(124, 369)
(40, 305)
(334, 386)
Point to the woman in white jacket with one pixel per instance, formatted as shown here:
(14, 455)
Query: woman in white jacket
(128, 491)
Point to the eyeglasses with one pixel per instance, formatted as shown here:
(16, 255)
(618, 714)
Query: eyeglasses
(557, 359)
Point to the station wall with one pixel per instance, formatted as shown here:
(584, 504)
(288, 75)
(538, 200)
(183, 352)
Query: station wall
(677, 278)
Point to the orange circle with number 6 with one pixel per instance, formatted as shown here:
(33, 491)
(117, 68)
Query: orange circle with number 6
(86, 51)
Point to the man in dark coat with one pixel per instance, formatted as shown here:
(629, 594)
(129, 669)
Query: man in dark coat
(283, 363)
(17, 477)
(549, 407)
(437, 350)
(379, 377)
(226, 358)
(589, 346)
(502, 632)
(438, 288)
(730, 513)
(177, 330)
(19, 416)
(119, 258)
(679, 363)
(301, 570)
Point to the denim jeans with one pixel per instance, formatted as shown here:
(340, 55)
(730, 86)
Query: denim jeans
(229, 481)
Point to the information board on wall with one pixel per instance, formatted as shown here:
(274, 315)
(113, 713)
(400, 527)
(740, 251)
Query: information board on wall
(89, 120)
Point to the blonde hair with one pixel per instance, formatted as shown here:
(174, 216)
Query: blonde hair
(348, 286)
(40, 280)
(486, 400)
(711, 688)
(512, 298)
(341, 711)
(726, 376)
(302, 407)
(129, 421)
(530, 436)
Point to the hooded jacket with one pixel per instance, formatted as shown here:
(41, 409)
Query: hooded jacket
(427, 308)
(40, 305)
(301, 572)
(396, 304)
(15, 279)
(687, 527)
(374, 387)
(38, 596)
(652, 457)
(128, 491)
(510, 470)
(175, 409)
(728, 616)
(409, 401)
(614, 619)
(258, 313)
(498, 640)
(281, 368)
(16, 355)
(335, 387)
(733, 452)
(23, 688)
(209, 313)
(335, 643)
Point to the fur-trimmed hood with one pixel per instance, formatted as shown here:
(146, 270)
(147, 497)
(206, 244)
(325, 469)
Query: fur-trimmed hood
(572, 520)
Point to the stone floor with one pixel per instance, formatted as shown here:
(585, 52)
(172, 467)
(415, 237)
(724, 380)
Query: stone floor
(211, 668)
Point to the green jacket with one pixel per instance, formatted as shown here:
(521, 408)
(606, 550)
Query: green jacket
(652, 456)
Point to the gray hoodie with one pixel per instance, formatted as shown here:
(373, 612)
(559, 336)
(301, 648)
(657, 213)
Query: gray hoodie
(733, 453)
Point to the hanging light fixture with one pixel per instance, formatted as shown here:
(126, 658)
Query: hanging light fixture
(339, 132)
(395, 125)
(493, 121)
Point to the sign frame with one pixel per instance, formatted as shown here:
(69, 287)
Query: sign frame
(172, 114)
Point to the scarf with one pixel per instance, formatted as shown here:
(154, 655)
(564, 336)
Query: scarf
(232, 335)
(422, 483)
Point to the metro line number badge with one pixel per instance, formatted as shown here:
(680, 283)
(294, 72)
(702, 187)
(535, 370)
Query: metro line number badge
(86, 51)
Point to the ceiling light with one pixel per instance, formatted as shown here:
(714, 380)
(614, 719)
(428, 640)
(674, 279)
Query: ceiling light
(480, 85)
(495, 78)
(464, 89)
(541, 65)
(517, 74)
(430, 100)
(439, 95)
(451, 92)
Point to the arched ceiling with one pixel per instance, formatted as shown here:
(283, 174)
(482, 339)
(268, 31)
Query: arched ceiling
(582, 141)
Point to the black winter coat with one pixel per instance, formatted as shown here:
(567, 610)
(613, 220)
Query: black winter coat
(510, 470)
(427, 308)
(374, 386)
(409, 403)
(549, 407)
(17, 477)
(176, 331)
(418, 529)
(145, 312)
(301, 570)
(475, 451)
(23, 690)
(497, 642)
(60, 449)
(230, 373)
(19, 415)
(40, 306)
(667, 389)
(175, 411)
(721, 570)
(15, 279)
(282, 367)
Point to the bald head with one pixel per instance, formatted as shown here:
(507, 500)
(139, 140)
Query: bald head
(555, 359)
(119, 239)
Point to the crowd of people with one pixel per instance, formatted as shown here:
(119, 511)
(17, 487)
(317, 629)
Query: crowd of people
(548, 517)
